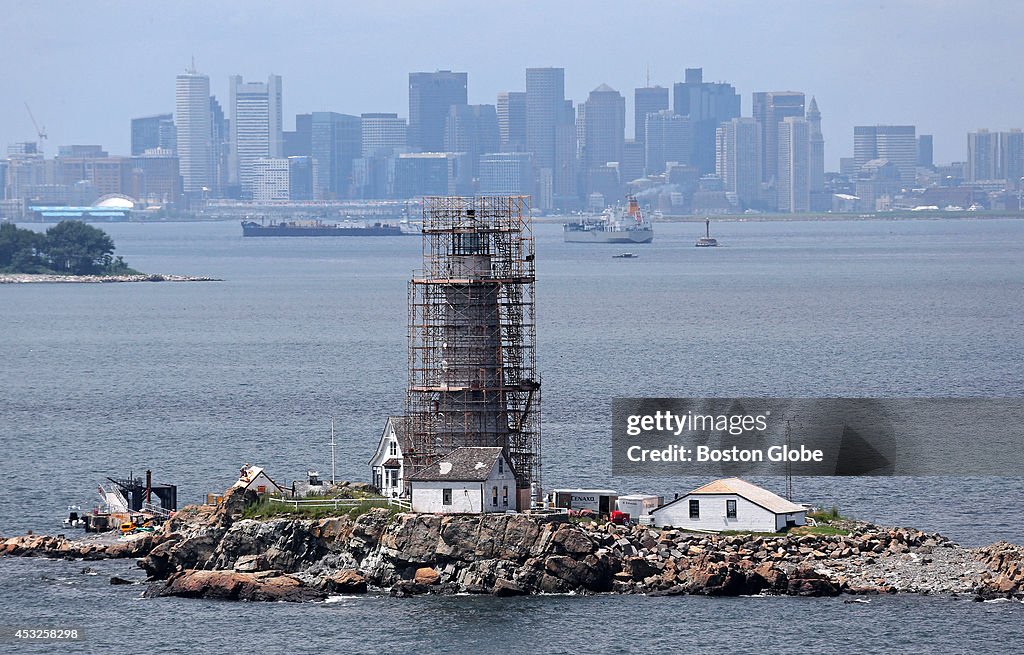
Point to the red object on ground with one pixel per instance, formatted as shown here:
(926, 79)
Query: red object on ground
(619, 517)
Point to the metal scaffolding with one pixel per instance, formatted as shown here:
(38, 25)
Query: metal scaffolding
(472, 335)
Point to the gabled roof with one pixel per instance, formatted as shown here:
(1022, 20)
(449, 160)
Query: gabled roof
(400, 425)
(604, 88)
(466, 464)
(250, 474)
(755, 494)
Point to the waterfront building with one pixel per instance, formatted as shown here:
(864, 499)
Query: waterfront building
(156, 178)
(925, 158)
(431, 95)
(303, 185)
(431, 174)
(270, 180)
(603, 119)
(151, 132)
(256, 127)
(194, 131)
(220, 148)
(631, 167)
(730, 504)
(896, 143)
(550, 126)
(468, 480)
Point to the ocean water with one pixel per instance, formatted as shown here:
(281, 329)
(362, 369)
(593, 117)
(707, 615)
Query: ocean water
(194, 379)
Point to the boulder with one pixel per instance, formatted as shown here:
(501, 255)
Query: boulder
(504, 588)
(427, 576)
(229, 585)
(346, 582)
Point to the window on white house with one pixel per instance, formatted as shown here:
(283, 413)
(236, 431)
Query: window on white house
(694, 509)
(730, 509)
(494, 496)
(501, 465)
(393, 449)
(446, 496)
(504, 496)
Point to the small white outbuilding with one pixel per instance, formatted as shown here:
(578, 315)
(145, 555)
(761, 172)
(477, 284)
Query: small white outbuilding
(255, 478)
(468, 480)
(730, 504)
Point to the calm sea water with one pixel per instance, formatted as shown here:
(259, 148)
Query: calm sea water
(192, 380)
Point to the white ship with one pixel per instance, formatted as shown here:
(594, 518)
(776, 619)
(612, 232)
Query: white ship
(616, 225)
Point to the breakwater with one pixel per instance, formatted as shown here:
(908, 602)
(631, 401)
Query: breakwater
(34, 278)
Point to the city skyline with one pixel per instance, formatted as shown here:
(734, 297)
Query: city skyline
(892, 65)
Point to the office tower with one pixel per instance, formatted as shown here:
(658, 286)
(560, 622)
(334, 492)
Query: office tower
(564, 183)
(817, 148)
(669, 138)
(982, 156)
(269, 179)
(1011, 157)
(302, 174)
(647, 100)
(193, 122)
(299, 142)
(220, 148)
(472, 129)
(506, 173)
(511, 109)
(794, 187)
(897, 143)
(152, 132)
(336, 142)
(430, 97)
(156, 178)
(604, 123)
(545, 101)
(924, 151)
(382, 133)
(769, 109)
(431, 174)
(708, 104)
(738, 159)
(256, 126)
(632, 165)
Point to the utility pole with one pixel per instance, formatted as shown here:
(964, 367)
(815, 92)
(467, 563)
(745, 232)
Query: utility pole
(333, 448)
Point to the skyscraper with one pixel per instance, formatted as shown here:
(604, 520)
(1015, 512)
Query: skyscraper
(897, 143)
(256, 126)
(546, 110)
(604, 125)
(769, 109)
(924, 151)
(472, 129)
(1011, 157)
(708, 104)
(430, 97)
(982, 156)
(668, 137)
(299, 143)
(817, 146)
(511, 109)
(382, 133)
(192, 110)
(794, 186)
(337, 141)
(738, 159)
(647, 100)
(153, 132)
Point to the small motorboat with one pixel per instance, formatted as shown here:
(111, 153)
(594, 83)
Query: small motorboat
(625, 255)
(74, 518)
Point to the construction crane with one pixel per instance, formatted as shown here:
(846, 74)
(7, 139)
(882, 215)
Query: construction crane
(40, 131)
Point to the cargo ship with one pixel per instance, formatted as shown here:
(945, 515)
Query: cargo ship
(321, 229)
(616, 225)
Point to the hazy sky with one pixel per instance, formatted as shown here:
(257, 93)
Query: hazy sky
(87, 68)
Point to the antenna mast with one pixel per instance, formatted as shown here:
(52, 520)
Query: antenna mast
(789, 464)
(333, 447)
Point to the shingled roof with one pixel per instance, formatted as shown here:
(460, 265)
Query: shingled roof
(752, 492)
(466, 464)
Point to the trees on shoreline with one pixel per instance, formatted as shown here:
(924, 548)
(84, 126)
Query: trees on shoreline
(67, 248)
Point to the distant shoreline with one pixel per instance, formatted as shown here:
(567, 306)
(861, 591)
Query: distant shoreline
(36, 278)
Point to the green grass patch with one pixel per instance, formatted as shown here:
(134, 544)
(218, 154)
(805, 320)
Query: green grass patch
(826, 515)
(269, 509)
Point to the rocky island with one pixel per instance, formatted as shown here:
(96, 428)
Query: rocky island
(213, 552)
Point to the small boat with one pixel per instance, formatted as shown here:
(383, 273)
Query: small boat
(706, 241)
(75, 518)
(625, 255)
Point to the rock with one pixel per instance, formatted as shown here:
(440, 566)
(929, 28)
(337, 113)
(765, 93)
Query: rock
(407, 588)
(346, 582)
(427, 576)
(504, 588)
(115, 580)
(229, 585)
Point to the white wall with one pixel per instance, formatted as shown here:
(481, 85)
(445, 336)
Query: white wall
(428, 497)
(712, 514)
(382, 455)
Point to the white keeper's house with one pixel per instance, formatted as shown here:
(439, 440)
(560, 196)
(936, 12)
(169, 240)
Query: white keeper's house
(387, 465)
(730, 504)
(468, 480)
